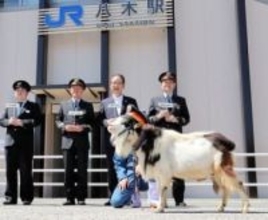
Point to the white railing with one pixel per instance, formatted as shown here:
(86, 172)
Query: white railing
(57, 170)
(104, 170)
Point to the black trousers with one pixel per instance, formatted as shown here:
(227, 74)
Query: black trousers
(76, 157)
(112, 179)
(178, 189)
(19, 157)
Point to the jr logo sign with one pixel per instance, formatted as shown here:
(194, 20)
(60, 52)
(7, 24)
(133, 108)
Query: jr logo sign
(74, 12)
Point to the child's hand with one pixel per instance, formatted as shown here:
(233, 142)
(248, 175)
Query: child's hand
(138, 170)
(123, 184)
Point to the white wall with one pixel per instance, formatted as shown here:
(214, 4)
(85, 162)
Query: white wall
(208, 69)
(18, 43)
(74, 55)
(140, 55)
(257, 16)
(18, 49)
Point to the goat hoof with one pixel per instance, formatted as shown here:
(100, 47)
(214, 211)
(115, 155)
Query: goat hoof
(245, 209)
(220, 209)
(159, 210)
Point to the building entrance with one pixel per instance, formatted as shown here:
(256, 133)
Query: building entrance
(53, 174)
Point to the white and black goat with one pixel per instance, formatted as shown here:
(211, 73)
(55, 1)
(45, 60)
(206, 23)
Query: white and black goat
(164, 154)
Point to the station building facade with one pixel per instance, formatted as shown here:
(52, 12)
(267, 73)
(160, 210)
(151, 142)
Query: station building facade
(218, 50)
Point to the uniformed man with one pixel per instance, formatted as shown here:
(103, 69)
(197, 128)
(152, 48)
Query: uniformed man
(112, 107)
(20, 118)
(170, 111)
(75, 119)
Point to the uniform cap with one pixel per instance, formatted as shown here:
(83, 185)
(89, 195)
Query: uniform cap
(167, 76)
(21, 84)
(77, 82)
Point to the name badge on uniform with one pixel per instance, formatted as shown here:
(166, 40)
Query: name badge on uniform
(26, 110)
(165, 105)
(76, 113)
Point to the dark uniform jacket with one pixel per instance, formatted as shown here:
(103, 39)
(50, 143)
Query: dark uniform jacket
(30, 115)
(108, 108)
(177, 107)
(83, 115)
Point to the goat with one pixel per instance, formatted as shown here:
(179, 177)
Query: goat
(164, 154)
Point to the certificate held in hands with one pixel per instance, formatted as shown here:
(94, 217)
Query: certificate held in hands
(13, 110)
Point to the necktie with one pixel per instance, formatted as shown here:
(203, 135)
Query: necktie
(76, 104)
(118, 108)
(169, 99)
(18, 109)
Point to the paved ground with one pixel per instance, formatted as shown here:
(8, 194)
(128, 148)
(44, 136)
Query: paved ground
(52, 209)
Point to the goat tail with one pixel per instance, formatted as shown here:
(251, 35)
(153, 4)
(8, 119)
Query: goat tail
(224, 175)
(220, 142)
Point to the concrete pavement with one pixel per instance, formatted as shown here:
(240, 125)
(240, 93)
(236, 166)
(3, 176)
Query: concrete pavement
(52, 209)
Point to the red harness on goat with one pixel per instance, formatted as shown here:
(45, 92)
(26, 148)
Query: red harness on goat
(138, 117)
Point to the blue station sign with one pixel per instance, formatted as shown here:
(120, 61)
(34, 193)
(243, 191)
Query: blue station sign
(77, 18)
